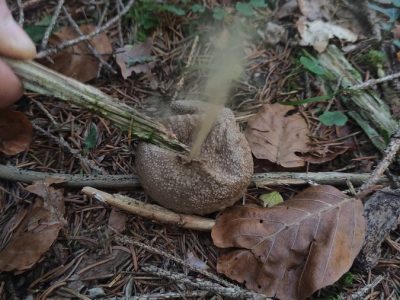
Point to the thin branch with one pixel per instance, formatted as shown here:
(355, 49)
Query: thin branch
(118, 182)
(129, 241)
(103, 14)
(124, 182)
(388, 156)
(70, 43)
(150, 211)
(359, 294)
(91, 48)
(372, 82)
(236, 293)
(53, 22)
(61, 141)
(20, 13)
(120, 36)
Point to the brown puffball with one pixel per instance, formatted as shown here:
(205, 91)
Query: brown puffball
(214, 180)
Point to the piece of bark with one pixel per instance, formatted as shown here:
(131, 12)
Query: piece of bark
(382, 212)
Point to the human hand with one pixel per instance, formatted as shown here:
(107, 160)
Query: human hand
(14, 43)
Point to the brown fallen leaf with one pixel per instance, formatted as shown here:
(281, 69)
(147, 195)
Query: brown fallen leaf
(36, 229)
(78, 61)
(274, 135)
(294, 248)
(15, 132)
(135, 58)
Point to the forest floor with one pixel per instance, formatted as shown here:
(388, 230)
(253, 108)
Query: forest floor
(102, 252)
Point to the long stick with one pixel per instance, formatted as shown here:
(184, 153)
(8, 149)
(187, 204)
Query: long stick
(123, 182)
(150, 211)
(40, 79)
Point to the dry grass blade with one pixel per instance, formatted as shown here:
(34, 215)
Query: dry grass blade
(295, 248)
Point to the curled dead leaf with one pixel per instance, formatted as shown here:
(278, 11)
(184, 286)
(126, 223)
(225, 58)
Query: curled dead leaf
(294, 248)
(15, 132)
(78, 61)
(276, 135)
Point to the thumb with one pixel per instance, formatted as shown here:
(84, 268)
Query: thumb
(14, 42)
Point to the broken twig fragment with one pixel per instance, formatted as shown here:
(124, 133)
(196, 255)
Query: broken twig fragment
(151, 211)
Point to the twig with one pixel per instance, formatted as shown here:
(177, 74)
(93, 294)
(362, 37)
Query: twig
(118, 182)
(123, 182)
(42, 80)
(292, 178)
(20, 13)
(128, 241)
(120, 36)
(31, 4)
(167, 295)
(60, 140)
(53, 21)
(151, 211)
(362, 291)
(236, 293)
(372, 82)
(388, 156)
(46, 112)
(103, 14)
(70, 43)
(91, 48)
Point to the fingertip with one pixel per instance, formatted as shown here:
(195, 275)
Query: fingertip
(15, 43)
(10, 86)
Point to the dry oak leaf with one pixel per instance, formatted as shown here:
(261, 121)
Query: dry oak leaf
(291, 250)
(275, 135)
(15, 132)
(36, 231)
(78, 61)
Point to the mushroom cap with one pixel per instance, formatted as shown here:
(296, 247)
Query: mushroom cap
(209, 183)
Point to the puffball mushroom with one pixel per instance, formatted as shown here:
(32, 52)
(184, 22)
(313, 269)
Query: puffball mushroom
(214, 180)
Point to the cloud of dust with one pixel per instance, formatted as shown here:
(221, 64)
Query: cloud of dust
(226, 66)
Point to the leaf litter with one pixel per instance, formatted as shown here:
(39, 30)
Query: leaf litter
(78, 61)
(87, 230)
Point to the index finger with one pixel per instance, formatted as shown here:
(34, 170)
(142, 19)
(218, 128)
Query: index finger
(14, 42)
